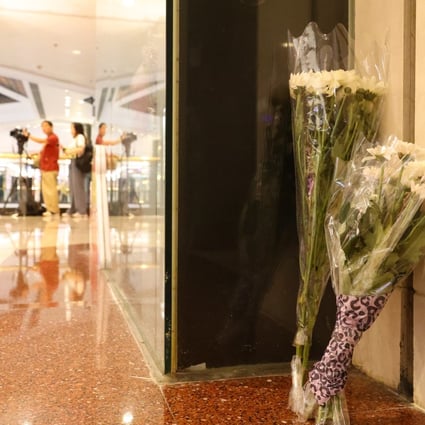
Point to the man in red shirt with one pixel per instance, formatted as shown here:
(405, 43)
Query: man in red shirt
(100, 136)
(49, 167)
(110, 158)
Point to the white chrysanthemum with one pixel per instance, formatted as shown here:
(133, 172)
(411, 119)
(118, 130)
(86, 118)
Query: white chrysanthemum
(405, 148)
(382, 151)
(418, 189)
(320, 83)
(349, 79)
(297, 80)
(333, 83)
(413, 171)
(343, 76)
(410, 149)
(364, 193)
(371, 173)
(373, 85)
(327, 82)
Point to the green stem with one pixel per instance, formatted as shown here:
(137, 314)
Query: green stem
(362, 281)
(338, 116)
(305, 359)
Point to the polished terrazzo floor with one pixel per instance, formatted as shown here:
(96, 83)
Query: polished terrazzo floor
(67, 355)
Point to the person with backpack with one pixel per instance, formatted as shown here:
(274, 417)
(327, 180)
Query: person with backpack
(75, 149)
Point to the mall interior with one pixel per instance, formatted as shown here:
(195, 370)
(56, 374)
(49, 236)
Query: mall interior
(174, 300)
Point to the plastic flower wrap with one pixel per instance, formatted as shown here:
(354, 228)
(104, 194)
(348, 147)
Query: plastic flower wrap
(375, 230)
(338, 106)
(374, 224)
(333, 109)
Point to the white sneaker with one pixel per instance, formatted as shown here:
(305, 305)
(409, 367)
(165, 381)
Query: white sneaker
(65, 214)
(47, 214)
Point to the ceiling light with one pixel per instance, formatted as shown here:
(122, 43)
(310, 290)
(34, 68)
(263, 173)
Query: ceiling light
(127, 418)
(76, 52)
(128, 3)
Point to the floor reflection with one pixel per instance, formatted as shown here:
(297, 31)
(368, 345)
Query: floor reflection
(67, 355)
(43, 263)
(49, 263)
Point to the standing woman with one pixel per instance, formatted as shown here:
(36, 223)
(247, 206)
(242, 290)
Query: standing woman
(76, 177)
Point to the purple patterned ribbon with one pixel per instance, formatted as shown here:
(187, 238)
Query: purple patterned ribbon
(354, 316)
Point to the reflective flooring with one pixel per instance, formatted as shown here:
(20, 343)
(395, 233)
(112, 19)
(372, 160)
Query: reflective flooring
(67, 355)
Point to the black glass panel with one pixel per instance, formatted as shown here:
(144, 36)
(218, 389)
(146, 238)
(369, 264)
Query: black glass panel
(238, 247)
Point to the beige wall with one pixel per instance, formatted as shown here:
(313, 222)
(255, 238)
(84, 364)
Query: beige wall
(419, 277)
(378, 21)
(420, 74)
(378, 353)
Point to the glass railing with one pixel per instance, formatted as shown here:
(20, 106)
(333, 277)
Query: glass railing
(134, 184)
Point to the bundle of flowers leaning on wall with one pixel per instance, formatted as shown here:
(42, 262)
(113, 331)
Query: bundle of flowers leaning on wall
(333, 109)
(375, 233)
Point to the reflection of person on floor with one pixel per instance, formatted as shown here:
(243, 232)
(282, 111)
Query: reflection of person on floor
(77, 274)
(20, 292)
(34, 295)
(48, 266)
(75, 285)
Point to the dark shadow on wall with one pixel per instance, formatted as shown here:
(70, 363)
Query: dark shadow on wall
(238, 248)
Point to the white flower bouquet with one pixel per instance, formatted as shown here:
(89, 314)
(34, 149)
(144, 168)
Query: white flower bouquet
(332, 111)
(373, 224)
(375, 231)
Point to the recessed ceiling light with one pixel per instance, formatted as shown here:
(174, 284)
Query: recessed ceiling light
(76, 52)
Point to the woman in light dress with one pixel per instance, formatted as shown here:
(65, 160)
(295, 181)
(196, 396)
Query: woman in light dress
(77, 189)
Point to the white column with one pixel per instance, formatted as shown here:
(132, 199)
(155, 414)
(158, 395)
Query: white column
(100, 209)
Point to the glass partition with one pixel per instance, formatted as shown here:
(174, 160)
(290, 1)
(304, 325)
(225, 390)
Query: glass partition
(130, 100)
(94, 62)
